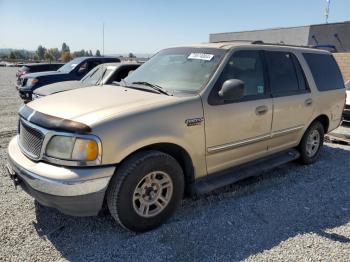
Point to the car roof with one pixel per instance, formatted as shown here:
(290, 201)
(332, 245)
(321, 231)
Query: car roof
(258, 44)
(119, 63)
(43, 64)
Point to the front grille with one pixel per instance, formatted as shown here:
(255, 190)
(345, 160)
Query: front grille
(21, 81)
(31, 140)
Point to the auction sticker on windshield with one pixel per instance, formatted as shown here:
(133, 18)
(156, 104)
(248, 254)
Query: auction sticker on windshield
(201, 56)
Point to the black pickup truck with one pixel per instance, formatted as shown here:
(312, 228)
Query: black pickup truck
(73, 70)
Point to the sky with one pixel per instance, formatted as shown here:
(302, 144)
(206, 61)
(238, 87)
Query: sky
(144, 27)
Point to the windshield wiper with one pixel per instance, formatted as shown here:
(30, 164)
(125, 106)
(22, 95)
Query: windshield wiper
(153, 86)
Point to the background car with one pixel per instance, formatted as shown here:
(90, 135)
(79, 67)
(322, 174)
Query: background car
(100, 75)
(346, 113)
(39, 67)
(73, 70)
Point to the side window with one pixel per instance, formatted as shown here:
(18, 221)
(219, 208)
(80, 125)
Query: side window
(303, 85)
(325, 71)
(83, 69)
(282, 73)
(248, 67)
(93, 64)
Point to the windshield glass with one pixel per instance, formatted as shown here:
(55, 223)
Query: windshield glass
(179, 69)
(66, 68)
(95, 75)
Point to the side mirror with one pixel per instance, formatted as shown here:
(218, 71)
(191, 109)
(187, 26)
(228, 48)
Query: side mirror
(232, 89)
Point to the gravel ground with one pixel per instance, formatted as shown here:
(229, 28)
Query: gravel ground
(294, 213)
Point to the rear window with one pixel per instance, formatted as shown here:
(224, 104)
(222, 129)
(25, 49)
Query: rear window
(325, 71)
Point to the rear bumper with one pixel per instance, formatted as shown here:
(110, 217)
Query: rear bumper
(73, 191)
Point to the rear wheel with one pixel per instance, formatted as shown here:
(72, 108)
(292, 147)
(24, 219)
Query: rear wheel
(311, 143)
(145, 191)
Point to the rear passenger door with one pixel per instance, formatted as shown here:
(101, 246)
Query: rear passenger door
(292, 100)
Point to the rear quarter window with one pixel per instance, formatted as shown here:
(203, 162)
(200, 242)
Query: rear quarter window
(325, 71)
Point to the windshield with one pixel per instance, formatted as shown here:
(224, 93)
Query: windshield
(179, 69)
(95, 75)
(68, 67)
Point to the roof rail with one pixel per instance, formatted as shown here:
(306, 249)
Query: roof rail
(259, 42)
(232, 41)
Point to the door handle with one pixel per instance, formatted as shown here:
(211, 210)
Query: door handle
(261, 110)
(308, 102)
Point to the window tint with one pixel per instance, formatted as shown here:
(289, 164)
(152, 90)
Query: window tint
(248, 67)
(325, 71)
(93, 64)
(282, 73)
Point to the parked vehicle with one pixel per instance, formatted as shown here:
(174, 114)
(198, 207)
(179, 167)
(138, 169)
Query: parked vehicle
(346, 112)
(100, 75)
(190, 120)
(73, 70)
(34, 68)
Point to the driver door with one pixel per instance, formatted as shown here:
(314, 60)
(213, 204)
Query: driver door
(238, 132)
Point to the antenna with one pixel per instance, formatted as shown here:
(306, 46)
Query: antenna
(326, 13)
(103, 39)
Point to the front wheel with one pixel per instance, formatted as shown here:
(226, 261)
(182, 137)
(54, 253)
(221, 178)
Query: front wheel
(311, 143)
(145, 191)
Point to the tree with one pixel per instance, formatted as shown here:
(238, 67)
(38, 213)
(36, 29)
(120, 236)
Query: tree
(55, 53)
(131, 55)
(41, 52)
(98, 53)
(65, 48)
(48, 55)
(65, 57)
(90, 53)
(12, 55)
(35, 57)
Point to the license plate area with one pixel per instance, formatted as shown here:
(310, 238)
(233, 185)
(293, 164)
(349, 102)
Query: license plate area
(13, 175)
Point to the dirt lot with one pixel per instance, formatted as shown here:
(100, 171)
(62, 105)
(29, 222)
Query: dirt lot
(294, 213)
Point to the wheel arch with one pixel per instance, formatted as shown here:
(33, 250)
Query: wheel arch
(179, 154)
(324, 121)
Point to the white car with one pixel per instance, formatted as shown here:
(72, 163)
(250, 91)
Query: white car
(346, 113)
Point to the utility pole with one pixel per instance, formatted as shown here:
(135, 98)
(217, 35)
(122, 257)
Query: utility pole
(326, 13)
(103, 39)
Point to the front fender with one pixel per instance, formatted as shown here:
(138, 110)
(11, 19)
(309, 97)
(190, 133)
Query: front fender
(126, 134)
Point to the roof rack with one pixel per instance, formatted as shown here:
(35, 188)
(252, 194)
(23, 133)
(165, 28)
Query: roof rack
(232, 41)
(260, 42)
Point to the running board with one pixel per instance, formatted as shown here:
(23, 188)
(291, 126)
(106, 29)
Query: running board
(255, 168)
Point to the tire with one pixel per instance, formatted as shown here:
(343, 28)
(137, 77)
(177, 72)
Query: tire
(139, 182)
(309, 152)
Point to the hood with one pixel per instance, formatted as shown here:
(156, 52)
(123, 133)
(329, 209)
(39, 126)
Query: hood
(57, 87)
(45, 73)
(91, 105)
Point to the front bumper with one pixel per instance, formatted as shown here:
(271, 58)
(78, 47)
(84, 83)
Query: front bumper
(346, 114)
(25, 95)
(73, 191)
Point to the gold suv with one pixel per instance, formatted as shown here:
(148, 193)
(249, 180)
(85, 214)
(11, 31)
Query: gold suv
(189, 120)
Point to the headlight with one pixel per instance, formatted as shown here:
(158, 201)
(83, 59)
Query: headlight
(31, 82)
(73, 148)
